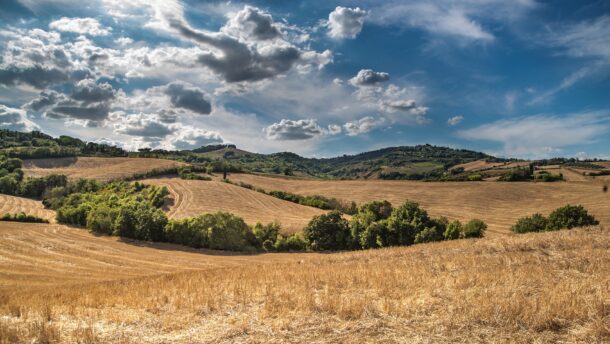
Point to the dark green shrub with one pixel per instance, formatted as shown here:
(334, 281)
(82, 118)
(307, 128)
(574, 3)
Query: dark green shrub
(406, 222)
(374, 235)
(228, 232)
(101, 219)
(292, 243)
(569, 217)
(266, 233)
(534, 223)
(454, 230)
(380, 209)
(22, 217)
(475, 178)
(474, 229)
(327, 232)
(429, 234)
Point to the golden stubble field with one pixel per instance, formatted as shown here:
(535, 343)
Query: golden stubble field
(499, 204)
(15, 205)
(194, 197)
(102, 169)
(533, 288)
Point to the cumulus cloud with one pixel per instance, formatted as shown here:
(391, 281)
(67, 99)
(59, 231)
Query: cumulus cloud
(287, 129)
(88, 91)
(15, 119)
(334, 129)
(236, 59)
(187, 137)
(191, 98)
(83, 26)
(455, 120)
(409, 105)
(345, 22)
(539, 136)
(363, 125)
(253, 23)
(368, 77)
(150, 130)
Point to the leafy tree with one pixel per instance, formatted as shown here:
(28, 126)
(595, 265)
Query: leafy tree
(289, 243)
(454, 230)
(228, 232)
(406, 222)
(475, 228)
(327, 232)
(380, 209)
(569, 217)
(534, 223)
(101, 219)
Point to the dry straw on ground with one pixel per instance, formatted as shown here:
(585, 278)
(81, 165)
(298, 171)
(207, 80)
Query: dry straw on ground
(499, 204)
(95, 168)
(533, 288)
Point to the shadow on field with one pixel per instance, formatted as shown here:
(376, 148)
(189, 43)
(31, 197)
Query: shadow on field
(175, 247)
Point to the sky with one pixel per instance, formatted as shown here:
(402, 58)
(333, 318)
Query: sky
(522, 78)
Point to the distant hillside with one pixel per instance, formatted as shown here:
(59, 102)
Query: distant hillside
(39, 145)
(417, 162)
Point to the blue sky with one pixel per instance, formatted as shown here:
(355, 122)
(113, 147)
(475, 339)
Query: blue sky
(525, 78)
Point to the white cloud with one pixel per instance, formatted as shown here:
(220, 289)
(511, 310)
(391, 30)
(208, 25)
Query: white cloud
(15, 119)
(540, 136)
(287, 129)
(363, 125)
(345, 22)
(463, 20)
(368, 77)
(84, 26)
(455, 120)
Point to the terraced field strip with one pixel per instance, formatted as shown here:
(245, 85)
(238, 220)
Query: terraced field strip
(102, 169)
(36, 255)
(194, 197)
(15, 205)
(497, 203)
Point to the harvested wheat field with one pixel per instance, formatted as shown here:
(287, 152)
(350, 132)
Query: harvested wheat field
(15, 205)
(194, 197)
(498, 204)
(102, 169)
(532, 288)
(43, 255)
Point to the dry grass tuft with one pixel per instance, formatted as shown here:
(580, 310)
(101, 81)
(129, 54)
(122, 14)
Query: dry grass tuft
(534, 288)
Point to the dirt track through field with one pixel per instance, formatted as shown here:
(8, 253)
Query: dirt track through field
(194, 197)
(95, 168)
(497, 203)
(16, 205)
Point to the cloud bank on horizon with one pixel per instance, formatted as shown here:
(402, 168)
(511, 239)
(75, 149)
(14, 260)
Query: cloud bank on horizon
(524, 79)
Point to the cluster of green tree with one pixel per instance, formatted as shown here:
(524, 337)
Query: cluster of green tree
(34, 145)
(546, 176)
(22, 217)
(568, 217)
(225, 231)
(193, 172)
(598, 173)
(13, 183)
(417, 162)
(316, 201)
(518, 174)
(570, 162)
(378, 224)
(118, 208)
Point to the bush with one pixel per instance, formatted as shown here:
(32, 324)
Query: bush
(569, 217)
(474, 229)
(266, 233)
(380, 209)
(228, 232)
(327, 232)
(101, 219)
(22, 217)
(534, 223)
(516, 175)
(406, 222)
(289, 243)
(475, 178)
(454, 230)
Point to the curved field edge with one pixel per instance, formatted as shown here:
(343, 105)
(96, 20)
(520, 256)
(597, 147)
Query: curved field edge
(500, 205)
(98, 168)
(15, 205)
(546, 287)
(194, 197)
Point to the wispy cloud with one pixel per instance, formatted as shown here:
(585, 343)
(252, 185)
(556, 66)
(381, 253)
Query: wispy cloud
(541, 135)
